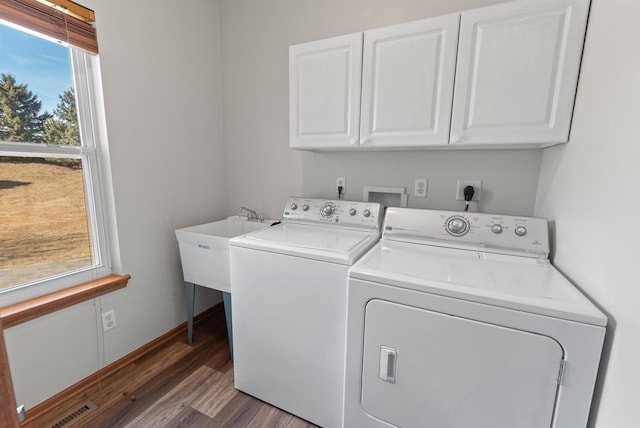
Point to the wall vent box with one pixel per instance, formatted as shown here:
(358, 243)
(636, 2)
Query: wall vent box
(385, 196)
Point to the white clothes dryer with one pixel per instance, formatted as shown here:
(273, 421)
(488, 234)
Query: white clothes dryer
(460, 320)
(289, 288)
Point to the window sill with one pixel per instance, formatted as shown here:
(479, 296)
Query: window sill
(31, 309)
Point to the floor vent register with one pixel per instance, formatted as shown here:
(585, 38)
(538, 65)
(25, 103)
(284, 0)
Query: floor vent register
(73, 416)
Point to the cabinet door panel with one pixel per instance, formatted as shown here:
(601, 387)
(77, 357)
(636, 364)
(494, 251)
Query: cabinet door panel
(407, 83)
(517, 72)
(324, 92)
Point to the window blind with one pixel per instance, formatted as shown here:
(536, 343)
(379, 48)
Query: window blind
(49, 21)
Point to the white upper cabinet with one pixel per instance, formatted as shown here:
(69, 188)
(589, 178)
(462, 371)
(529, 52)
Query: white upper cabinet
(324, 93)
(494, 77)
(407, 83)
(517, 72)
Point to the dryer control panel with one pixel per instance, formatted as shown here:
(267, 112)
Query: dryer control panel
(335, 212)
(494, 233)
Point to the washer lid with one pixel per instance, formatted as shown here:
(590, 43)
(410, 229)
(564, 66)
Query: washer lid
(521, 283)
(326, 243)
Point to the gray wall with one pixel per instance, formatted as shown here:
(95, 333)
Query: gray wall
(161, 78)
(589, 189)
(261, 169)
(170, 168)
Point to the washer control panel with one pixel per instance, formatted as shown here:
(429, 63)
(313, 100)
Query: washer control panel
(457, 226)
(484, 232)
(335, 212)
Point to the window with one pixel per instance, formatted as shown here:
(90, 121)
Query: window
(52, 231)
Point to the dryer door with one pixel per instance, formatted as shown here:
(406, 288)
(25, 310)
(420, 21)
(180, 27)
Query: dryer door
(424, 368)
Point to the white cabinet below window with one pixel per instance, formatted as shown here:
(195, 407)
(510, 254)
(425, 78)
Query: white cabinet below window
(502, 76)
(517, 72)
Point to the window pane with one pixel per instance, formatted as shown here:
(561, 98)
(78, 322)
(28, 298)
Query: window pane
(43, 218)
(45, 230)
(37, 100)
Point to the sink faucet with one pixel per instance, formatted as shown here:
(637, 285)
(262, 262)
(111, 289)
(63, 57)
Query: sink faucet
(251, 214)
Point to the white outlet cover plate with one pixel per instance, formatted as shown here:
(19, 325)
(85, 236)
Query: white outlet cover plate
(341, 181)
(108, 320)
(420, 187)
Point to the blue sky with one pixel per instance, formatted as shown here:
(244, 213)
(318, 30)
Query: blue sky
(44, 66)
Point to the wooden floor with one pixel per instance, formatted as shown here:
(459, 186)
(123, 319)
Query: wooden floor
(179, 385)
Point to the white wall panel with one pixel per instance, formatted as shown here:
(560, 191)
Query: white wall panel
(261, 169)
(161, 80)
(589, 190)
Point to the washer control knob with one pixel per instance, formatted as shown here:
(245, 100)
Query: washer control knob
(366, 213)
(352, 212)
(305, 207)
(496, 228)
(520, 230)
(294, 207)
(457, 226)
(327, 210)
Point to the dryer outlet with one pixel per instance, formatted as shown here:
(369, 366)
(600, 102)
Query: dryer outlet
(477, 187)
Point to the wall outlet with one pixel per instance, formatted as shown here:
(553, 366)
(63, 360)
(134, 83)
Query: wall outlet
(477, 187)
(108, 320)
(420, 188)
(341, 182)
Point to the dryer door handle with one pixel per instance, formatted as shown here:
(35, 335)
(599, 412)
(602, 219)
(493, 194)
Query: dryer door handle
(388, 361)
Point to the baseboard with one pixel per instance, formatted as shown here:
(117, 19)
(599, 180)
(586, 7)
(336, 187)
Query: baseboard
(41, 409)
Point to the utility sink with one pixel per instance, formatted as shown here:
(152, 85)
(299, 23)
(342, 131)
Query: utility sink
(204, 250)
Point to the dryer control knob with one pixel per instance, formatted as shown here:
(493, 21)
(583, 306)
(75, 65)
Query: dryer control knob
(366, 213)
(520, 230)
(305, 207)
(352, 212)
(294, 207)
(496, 228)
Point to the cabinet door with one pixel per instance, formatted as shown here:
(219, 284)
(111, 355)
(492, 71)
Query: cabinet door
(407, 83)
(324, 93)
(517, 72)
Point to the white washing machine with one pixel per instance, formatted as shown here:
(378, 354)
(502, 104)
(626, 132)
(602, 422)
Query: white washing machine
(289, 288)
(459, 320)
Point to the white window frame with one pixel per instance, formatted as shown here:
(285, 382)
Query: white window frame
(85, 71)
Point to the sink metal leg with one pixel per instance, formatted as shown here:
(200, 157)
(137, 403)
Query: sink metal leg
(227, 313)
(190, 292)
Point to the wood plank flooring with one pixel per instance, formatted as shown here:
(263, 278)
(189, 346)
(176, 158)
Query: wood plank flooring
(178, 385)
